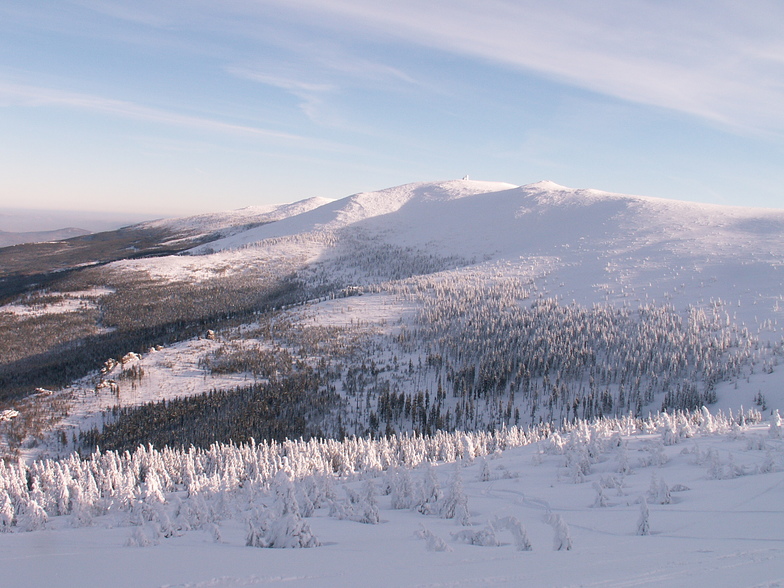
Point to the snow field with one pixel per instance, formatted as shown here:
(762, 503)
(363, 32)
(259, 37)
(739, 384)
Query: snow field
(721, 527)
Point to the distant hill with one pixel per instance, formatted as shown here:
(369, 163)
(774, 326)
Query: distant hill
(8, 238)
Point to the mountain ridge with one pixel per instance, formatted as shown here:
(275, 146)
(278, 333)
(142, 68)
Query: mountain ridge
(505, 199)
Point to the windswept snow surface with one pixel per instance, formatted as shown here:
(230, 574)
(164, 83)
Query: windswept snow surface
(713, 493)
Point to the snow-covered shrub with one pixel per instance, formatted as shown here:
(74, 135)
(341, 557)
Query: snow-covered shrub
(669, 435)
(361, 507)
(624, 467)
(769, 465)
(6, 512)
(756, 443)
(455, 503)
(255, 530)
(145, 535)
(32, 516)
(578, 463)
(288, 531)
(658, 491)
(715, 468)
(434, 542)
(656, 456)
(484, 473)
(484, 537)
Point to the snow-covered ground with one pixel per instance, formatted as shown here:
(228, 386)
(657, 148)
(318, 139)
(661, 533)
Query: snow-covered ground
(723, 526)
(713, 493)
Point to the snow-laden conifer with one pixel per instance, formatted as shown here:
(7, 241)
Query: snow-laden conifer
(6, 512)
(484, 472)
(402, 488)
(562, 539)
(281, 526)
(32, 516)
(430, 492)
(776, 430)
(601, 498)
(454, 505)
(643, 524)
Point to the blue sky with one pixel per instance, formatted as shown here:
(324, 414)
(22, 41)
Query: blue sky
(173, 107)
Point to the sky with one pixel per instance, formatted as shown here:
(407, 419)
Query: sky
(167, 107)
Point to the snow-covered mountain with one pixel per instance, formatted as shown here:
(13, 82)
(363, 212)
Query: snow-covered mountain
(477, 249)
(547, 322)
(593, 246)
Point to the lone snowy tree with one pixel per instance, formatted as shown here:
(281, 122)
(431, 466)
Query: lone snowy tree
(776, 431)
(643, 525)
(562, 539)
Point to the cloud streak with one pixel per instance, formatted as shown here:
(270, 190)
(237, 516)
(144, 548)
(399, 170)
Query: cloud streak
(721, 61)
(12, 94)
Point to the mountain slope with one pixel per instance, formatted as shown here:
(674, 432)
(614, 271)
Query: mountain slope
(484, 304)
(599, 245)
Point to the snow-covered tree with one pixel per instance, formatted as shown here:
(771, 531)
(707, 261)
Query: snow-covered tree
(513, 525)
(431, 493)
(434, 542)
(562, 539)
(281, 526)
(643, 524)
(484, 537)
(6, 512)
(776, 431)
(601, 498)
(402, 488)
(484, 473)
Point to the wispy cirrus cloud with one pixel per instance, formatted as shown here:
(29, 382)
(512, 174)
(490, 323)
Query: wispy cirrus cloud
(719, 60)
(13, 94)
(280, 81)
(309, 95)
